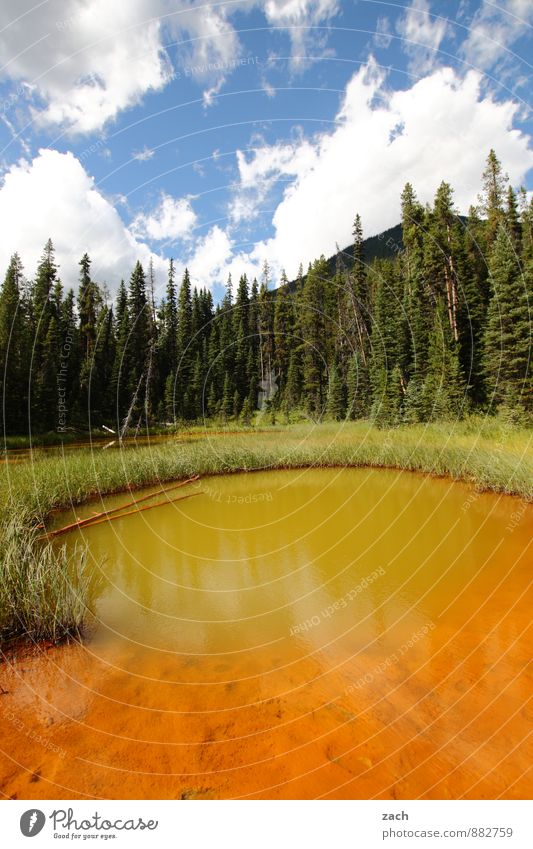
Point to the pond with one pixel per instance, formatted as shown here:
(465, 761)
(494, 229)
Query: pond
(335, 633)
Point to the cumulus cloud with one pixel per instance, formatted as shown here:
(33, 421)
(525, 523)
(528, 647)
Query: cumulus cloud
(85, 61)
(382, 140)
(493, 31)
(53, 196)
(422, 33)
(173, 218)
(208, 264)
(259, 172)
(209, 46)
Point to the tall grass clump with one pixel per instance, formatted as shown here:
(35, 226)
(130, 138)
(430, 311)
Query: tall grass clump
(44, 594)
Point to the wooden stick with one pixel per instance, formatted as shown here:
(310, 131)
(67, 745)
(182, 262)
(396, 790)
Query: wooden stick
(80, 523)
(133, 512)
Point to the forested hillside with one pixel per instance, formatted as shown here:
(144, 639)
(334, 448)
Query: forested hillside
(438, 328)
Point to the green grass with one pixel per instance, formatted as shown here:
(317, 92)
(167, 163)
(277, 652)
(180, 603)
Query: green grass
(44, 595)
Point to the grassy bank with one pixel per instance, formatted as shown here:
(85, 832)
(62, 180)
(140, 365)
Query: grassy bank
(43, 595)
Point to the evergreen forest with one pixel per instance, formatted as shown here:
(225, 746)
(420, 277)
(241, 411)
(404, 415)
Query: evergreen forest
(438, 330)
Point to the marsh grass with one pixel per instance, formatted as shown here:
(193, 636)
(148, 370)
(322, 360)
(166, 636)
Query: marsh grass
(45, 593)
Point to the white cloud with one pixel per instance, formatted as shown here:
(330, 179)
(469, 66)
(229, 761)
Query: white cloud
(53, 196)
(173, 218)
(208, 264)
(259, 172)
(383, 35)
(358, 168)
(269, 89)
(494, 29)
(423, 34)
(143, 155)
(86, 61)
(211, 47)
(298, 17)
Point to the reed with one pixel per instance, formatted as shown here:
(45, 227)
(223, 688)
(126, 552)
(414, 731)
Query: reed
(44, 594)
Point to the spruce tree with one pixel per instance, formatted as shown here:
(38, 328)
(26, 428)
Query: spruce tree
(170, 324)
(512, 220)
(313, 329)
(492, 197)
(13, 348)
(226, 407)
(45, 352)
(283, 331)
(293, 387)
(443, 395)
(507, 350)
(336, 405)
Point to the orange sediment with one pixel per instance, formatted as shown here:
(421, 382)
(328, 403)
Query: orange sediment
(323, 633)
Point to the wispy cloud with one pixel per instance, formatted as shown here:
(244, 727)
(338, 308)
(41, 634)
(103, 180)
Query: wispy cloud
(422, 33)
(383, 35)
(494, 29)
(143, 155)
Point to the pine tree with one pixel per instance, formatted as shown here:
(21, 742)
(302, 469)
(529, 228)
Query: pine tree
(169, 318)
(512, 220)
(246, 413)
(89, 307)
(70, 354)
(526, 222)
(89, 302)
(121, 363)
(336, 405)
(185, 347)
(293, 387)
(359, 274)
(241, 337)
(104, 358)
(473, 310)
(358, 388)
(413, 338)
(45, 354)
(265, 314)
(388, 398)
(492, 197)
(443, 253)
(225, 322)
(390, 349)
(313, 329)
(283, 331)
(138, 347)
(226, 407)
(443, 394)
(13, 348)
(508, 334)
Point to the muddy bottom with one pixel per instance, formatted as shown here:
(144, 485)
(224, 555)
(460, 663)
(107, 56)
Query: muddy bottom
(302, 634)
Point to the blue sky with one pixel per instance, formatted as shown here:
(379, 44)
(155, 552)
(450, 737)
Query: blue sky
(231, 133)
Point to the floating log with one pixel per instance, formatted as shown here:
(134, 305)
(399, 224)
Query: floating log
(91, 520)
(132, 512)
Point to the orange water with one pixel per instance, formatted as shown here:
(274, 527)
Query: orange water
(320, 633)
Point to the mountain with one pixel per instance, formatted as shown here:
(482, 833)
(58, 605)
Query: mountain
(385, 245)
